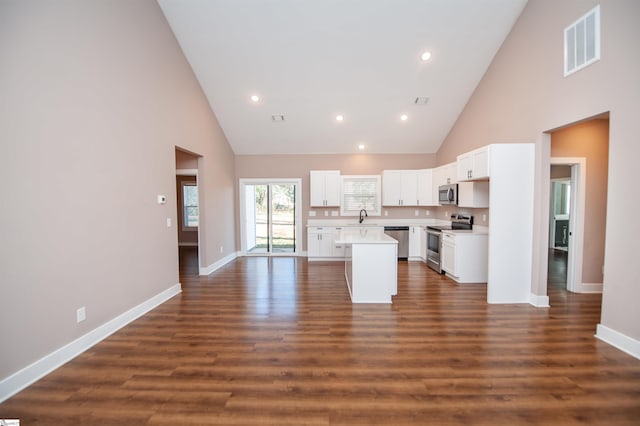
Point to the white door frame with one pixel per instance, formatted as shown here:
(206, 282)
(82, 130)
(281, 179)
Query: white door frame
(576, 219)
(263, 181)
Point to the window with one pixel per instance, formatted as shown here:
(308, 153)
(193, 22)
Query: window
(190, 205)
(360, 192)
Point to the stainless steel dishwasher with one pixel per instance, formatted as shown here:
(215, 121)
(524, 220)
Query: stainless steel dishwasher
(401, 234)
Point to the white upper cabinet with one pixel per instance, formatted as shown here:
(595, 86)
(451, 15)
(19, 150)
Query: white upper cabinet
(473, 194)
(407, 188)
(474, 165)
(324, 188)
(425, 188)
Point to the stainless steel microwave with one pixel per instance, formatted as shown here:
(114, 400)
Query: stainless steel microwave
(448, 194)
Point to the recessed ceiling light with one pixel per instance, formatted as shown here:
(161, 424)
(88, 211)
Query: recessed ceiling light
(361, 146)
(339, 118)
(255, 98)
(425, 56)
(404, 117)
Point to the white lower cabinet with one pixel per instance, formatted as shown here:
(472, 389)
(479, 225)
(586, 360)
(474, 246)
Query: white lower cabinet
(321, 243)
(464, 256)
(417, 243)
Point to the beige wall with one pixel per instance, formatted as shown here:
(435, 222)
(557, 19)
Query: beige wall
(591, 141)
(298, 166)
(524, 94)
(95, 97)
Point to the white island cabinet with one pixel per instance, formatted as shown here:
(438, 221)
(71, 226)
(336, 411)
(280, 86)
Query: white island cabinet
(371, 264)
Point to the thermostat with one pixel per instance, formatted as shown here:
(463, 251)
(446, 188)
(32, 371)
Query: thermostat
(162, 199)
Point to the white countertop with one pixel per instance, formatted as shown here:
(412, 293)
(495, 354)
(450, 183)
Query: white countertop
(373, 222)
(364, 235)
(477, 230)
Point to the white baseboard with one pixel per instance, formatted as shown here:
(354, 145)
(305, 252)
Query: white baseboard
(31, 373)
(219, 264)
(538, 301)
(590, 288)
(621, 341)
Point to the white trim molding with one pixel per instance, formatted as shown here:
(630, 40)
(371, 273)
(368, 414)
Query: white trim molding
(186, 172)
(538, 301)
(621, 341)
(217, 265)
(589, 288)
(31, 373)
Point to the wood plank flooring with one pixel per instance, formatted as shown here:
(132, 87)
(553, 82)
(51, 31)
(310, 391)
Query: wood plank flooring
(277, 341)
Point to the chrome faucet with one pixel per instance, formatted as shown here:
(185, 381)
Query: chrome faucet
(365, 215)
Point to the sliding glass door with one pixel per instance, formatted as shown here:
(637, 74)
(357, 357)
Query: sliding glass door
(270, 216)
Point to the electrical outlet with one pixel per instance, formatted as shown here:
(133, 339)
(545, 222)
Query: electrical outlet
(326, 213)
(221, 249)
(484, 217)
(386, 213)
(81, 314)
(417, 213)
(334, 213)
(312, 213)
(446, 214)
(428, 212)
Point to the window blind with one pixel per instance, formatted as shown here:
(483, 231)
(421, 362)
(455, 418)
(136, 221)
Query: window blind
(360, 192)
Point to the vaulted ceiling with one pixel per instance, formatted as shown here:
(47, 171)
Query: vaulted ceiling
(309, 61)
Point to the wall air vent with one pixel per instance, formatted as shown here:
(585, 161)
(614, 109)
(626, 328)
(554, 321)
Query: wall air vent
(277, 118)
(582, 42)
(421, 100)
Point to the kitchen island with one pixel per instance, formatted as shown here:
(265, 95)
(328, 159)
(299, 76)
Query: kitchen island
(371, 264)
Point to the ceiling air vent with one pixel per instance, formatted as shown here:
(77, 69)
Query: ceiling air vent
(277, 118)
(421, 100)
(582, 42)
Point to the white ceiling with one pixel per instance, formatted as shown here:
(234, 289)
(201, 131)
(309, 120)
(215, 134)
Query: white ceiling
(311, 60)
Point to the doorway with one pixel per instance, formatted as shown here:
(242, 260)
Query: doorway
(188, 212)
(270, 216)
(576, 146)
(566, 221)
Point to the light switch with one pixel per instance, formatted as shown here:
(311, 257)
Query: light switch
(168, 222)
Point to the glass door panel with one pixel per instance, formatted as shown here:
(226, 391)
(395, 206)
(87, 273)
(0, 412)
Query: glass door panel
(270, 211)
(283, 225)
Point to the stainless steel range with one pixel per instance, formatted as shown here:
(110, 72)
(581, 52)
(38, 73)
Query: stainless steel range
(434, 239)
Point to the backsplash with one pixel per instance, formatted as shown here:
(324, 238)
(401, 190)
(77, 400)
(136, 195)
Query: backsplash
(480, 216)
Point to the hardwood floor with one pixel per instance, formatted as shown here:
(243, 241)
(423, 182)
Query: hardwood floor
(277, 341)
(557, 271)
